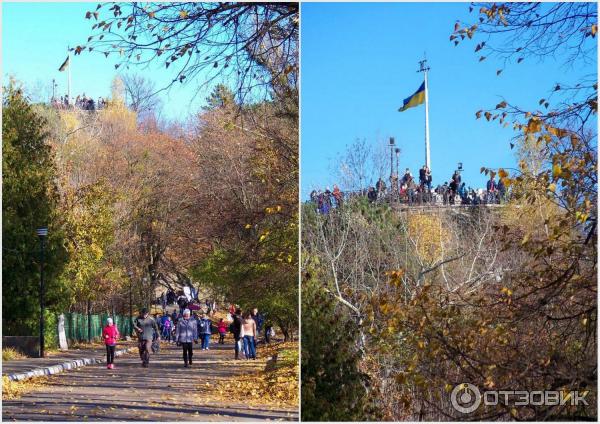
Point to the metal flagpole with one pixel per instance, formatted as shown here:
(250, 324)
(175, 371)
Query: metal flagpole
(424, 68)
(69, 71)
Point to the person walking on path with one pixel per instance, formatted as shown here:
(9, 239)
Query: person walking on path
(236, 330)
(249, 335)
(268, 332)
(167, 329)
(185, 335)
(145, 326)
(205, 330)
(222, 328)
(110, 334)
(259, 319)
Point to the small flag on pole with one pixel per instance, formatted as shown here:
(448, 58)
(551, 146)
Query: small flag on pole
(64, 65)
(414, 100)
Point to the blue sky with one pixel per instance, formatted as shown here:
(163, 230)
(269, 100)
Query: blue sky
(34, 42)
(359, 62)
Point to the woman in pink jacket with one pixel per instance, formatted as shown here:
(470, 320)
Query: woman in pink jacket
(110, 334)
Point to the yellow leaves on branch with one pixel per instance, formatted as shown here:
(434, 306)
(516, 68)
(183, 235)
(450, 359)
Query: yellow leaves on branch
(534, 125)
(424, 229)
(274, 209)
(395, 276)
(556, 170)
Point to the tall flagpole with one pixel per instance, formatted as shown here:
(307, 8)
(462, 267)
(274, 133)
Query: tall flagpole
(69, 81)
(424, 68)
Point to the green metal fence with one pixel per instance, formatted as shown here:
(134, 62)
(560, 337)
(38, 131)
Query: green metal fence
(76, 325)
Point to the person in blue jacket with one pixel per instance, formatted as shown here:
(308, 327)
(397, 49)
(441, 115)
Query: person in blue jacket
(204, 331)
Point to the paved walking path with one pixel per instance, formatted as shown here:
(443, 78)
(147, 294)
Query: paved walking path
(165, 391)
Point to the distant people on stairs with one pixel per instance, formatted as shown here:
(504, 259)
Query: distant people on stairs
(110, 334)
(249, 335)
(185, 335)
(146, 327)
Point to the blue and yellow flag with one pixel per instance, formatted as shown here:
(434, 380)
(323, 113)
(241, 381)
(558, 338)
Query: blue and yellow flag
(414, 100)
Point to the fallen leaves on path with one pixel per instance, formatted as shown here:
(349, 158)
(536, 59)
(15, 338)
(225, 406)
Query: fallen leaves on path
(16, 389)
(264, 382)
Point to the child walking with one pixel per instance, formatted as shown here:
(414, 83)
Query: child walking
(110, 334)
(222, 331)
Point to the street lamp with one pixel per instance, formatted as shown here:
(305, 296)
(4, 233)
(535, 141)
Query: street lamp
(42, 234)
(392, 143)
(130, 303)
(397, 181)
(144, 281)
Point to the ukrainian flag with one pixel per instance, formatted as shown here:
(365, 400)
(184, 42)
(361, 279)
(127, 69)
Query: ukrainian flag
(414, 100)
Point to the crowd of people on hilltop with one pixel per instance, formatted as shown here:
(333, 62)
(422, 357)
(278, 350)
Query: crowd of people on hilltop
(412, 192)
(81, 102)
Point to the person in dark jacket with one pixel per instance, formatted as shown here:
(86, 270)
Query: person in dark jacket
(236, 329)
(185, 335)
(146, 327)
(259, 319)
(501, 190)
(182, 302)
(372, 195)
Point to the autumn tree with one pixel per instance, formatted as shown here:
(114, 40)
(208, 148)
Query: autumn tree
(247, 163)
(29, 200)
(140, 96)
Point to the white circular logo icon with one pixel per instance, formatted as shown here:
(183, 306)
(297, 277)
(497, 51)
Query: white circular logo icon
(465, 398)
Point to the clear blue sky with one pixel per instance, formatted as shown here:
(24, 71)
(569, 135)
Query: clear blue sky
(34, 42)
(359, 62)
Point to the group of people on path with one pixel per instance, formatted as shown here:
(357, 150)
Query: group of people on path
(186, 299)
(186, 330)
(246, 329)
